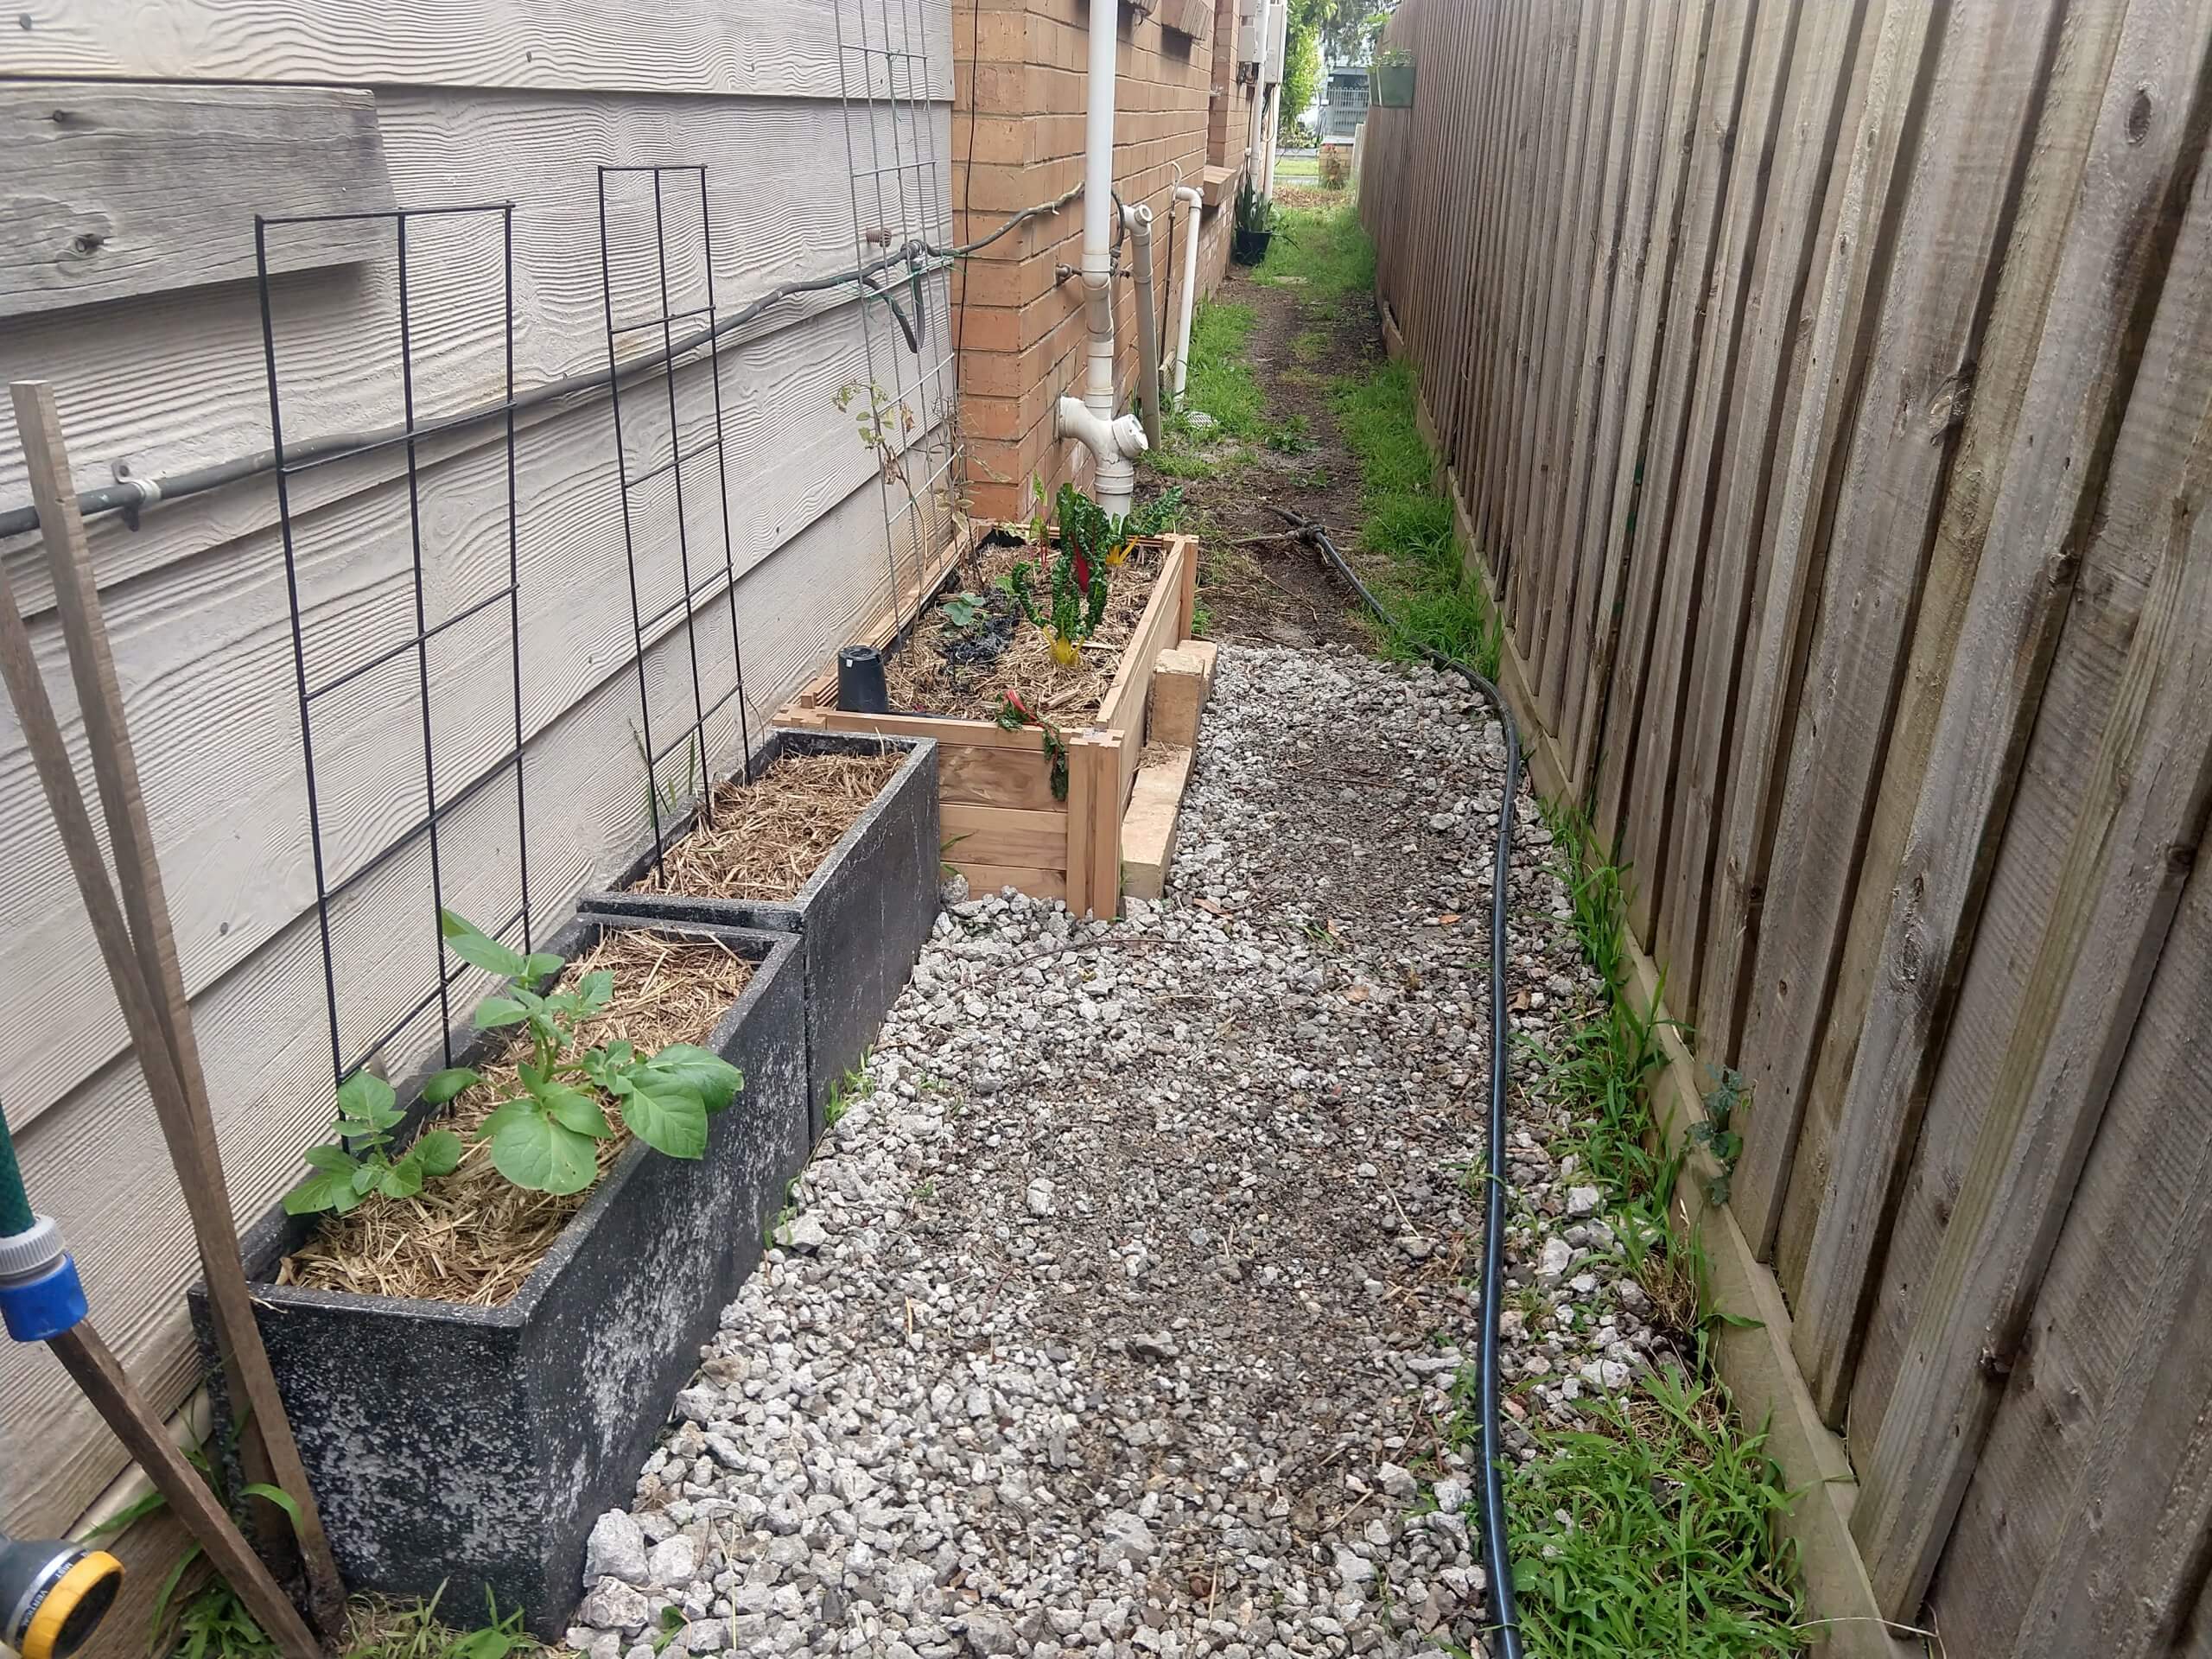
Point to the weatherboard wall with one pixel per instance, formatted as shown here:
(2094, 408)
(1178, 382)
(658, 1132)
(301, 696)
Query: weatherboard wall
(161, 369)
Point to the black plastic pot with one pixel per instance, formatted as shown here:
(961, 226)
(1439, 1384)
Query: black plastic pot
(474, 1447)
(861, 918)
(1249, 247)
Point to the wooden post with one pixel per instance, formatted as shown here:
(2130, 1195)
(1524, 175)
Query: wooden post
(138, 942)
(1187, 602)
(1096, 757)
(87, 1359)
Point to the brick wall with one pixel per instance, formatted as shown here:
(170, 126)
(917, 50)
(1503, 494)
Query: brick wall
(1019, 90)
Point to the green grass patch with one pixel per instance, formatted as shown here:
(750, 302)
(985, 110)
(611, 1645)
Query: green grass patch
(1425, 582)
(1325, 250)
(1310, 344)
(1666, 1547)
(1220, 382)
(1669, 1544)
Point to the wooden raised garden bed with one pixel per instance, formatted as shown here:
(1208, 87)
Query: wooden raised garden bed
(1003, 822)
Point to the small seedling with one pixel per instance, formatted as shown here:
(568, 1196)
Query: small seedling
(965, 612)
(546, 1139)
(360, 1163)
(1722, 1102)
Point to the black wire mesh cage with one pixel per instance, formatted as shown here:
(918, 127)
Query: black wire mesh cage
(405, 618)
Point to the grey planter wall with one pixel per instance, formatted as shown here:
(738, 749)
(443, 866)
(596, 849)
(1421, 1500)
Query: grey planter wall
(476, 1446)
(861, 919)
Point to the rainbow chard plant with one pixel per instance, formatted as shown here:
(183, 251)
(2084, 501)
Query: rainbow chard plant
(1092, 541)
(1076, 600)
(546, 1139)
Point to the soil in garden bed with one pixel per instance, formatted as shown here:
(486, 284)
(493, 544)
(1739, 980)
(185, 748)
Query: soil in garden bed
(473, 1238)
(764, 841)
(963, 670)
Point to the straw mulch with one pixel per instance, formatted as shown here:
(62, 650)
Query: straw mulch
(765, 839)
(940, 671)
(473, 1238)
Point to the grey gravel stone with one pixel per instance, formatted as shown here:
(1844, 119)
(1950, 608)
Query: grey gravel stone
(616, 1549)
(1116, 1316)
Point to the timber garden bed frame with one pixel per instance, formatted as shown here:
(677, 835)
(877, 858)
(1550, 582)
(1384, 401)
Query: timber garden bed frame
(1001, 823)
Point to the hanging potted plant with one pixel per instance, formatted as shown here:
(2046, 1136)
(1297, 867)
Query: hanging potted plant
(1256, 225)
(1393, 79)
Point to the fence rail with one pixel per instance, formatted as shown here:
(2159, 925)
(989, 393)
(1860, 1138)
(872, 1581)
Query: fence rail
(1826, 386)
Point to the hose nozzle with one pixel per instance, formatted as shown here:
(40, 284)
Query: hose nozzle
(53, 1594)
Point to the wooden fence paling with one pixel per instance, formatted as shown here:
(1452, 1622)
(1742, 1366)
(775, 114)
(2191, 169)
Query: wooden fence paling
(2065, 345)
(1555, 110)
(1589, 285)
(1791, 255)
(1788, 362)
(1642, 753)
(1607, 532)
(1794, 555)
(1632, 150)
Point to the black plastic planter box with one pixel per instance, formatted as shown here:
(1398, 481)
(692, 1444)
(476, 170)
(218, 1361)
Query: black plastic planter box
(861, 918)
(476, 1446)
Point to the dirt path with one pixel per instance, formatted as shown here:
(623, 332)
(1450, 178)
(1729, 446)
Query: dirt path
(1301, 346)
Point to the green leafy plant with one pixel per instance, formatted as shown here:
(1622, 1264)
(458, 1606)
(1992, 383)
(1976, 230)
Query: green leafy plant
(1653, 1532)
(1255, 212)
(1714, 1132)
(964, 613)
(359, 1162)
(1014, 714)
(546, 1139)
(1075, 598)
(414, 1630)
(212, 1621)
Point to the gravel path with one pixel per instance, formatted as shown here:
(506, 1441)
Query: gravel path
(1122, 1314)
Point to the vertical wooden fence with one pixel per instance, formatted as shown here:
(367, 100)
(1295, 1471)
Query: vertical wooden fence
(1826, 387)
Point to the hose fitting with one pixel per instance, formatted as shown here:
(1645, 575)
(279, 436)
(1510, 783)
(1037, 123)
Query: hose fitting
(40, 1295)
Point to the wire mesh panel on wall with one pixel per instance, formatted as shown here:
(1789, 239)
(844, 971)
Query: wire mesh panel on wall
(405, 613)
(907, 410)
(657, 273)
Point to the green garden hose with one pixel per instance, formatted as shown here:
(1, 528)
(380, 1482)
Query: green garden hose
(14, 1203)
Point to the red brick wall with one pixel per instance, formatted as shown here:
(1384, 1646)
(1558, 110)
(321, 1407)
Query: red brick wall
(1020, 87)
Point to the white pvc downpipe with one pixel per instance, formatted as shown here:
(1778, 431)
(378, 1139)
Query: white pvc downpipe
(1196, 204)
(1114, 444)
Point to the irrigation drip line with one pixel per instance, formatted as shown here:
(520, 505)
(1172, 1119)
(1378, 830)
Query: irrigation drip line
(134, 494)
(1497, 1561)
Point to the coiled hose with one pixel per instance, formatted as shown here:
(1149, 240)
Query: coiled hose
(1497, 1564)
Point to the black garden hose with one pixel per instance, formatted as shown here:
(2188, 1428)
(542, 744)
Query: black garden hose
(1497, 1564)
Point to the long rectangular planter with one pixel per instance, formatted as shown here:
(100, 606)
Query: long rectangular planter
(473, 1447)
(1003, 825)
(861, 918)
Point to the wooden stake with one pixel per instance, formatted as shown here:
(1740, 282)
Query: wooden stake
(136, 941)
(140, 1428)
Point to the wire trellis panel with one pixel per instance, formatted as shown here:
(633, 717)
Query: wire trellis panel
(885, 94)
(692, 739)
(428, 828)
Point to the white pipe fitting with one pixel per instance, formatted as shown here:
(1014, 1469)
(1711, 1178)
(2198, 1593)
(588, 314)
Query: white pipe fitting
(1097, 430)
(1115, 444)
(1196, 204)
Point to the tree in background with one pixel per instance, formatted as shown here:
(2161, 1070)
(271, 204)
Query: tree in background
(1346, 30)
(1301, 69)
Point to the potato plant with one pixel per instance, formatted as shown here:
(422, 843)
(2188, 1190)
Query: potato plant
(546, 1139)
